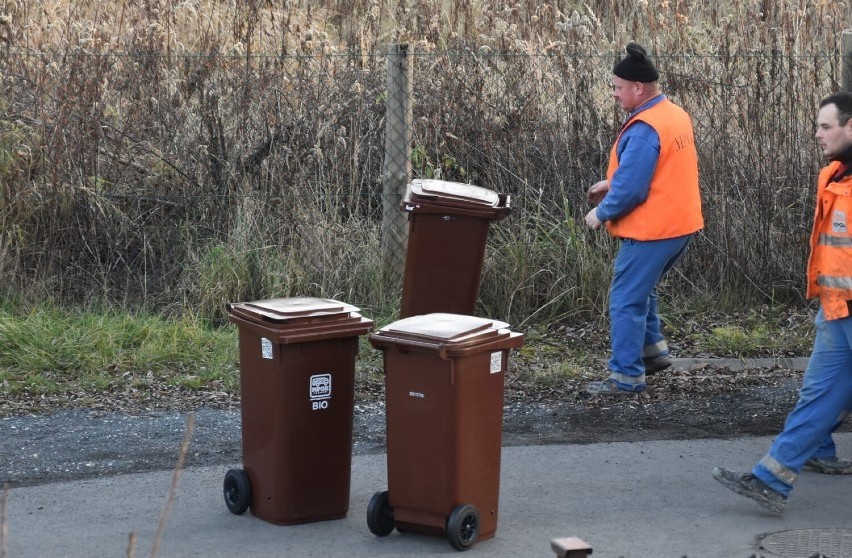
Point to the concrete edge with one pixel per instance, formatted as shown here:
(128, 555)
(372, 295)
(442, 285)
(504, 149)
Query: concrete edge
(794, 363)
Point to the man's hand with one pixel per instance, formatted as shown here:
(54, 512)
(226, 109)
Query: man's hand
(592, 219)
(597, 191)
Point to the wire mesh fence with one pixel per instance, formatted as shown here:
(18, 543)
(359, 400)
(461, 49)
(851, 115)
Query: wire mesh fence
(183, 182)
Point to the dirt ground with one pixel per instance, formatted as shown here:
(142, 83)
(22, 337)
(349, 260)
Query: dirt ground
(723, 411)
(71, 444)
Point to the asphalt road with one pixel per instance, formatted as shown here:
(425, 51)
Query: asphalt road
(646, 499)
(632, 480)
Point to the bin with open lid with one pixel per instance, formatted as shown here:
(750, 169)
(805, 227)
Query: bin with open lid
(448, 226)
(444, 378)
(297, 375)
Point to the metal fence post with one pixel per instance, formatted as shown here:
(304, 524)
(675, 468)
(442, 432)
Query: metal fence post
(397, 162)
(846, 62)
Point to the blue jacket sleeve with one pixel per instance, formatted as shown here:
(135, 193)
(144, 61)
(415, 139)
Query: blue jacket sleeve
(638, 151)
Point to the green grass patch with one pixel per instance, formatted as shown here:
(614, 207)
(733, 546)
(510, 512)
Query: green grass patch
(50, 350)
(82, 354)
(763, 331)
(736, 340)
(546, 361)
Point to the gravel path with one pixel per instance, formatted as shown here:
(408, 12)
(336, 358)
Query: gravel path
(76, 444)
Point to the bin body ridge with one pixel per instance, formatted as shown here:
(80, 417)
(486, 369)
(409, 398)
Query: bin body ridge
(444, 381)
(443, 263)
(297, 451)
(297, 388)
(448, 226)
(445, 440)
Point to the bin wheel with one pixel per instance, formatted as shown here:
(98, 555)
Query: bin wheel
(380, 515)
(237, 490)
(463, 526)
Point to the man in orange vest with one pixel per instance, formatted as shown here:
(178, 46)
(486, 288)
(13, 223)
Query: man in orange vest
(650, 200)
(826, 395)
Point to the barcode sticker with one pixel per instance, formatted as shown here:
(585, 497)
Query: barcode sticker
(496, 362)
(266, 348)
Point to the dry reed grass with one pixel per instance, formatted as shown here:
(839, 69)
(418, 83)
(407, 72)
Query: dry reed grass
(179, 155)
(262, 26)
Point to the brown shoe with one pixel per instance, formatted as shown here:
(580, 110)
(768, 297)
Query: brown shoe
(752, 487)
(830, 465)
(655, 364)
(608, 387)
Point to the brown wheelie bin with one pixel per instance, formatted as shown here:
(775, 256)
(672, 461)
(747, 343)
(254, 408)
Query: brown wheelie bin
(448, 226)
(297, 375)
(444, 376)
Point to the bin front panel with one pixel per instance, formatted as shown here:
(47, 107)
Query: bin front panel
(419, 419)
(444, 435)
(480, 380)
(443, 263)
(296, 405)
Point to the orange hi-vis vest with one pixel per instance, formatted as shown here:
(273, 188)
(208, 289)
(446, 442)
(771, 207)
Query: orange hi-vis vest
(830, 261)
(673, 206)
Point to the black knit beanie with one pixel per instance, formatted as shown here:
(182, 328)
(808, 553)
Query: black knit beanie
(636, 66)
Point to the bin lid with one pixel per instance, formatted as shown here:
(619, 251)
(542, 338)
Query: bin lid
(452, 193)
(442, 327)
(292, 310)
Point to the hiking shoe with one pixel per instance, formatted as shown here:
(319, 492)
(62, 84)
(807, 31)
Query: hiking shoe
(608, 387)
(655, 364)
(751, 486)
(830, 465)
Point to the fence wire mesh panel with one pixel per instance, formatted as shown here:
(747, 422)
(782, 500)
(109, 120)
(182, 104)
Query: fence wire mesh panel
(188, 180)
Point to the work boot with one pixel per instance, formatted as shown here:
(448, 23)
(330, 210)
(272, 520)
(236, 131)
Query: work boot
(655, 364)
(751, 486)
(608, 387)
(830, 465)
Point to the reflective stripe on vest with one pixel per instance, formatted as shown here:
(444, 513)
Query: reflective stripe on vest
(831, 282)
(829, 240)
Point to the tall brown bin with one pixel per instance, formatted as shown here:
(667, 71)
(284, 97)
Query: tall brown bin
(448, 225)
(297, 375)
(444, 377)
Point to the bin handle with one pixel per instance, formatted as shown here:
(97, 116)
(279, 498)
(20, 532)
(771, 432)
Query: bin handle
(514, 341)
(374, 337)
(440, 348)
(449, 350)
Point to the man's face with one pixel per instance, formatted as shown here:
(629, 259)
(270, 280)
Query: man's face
(626, 93)
(833, 138)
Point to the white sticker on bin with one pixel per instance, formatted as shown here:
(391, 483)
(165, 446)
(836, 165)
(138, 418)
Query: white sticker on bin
(265, 348)
(320, 386)
(320, 389)
(496, 362)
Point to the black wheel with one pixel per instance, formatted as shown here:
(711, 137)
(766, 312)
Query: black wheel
(463, 527)
(237, 491)
(380, 515)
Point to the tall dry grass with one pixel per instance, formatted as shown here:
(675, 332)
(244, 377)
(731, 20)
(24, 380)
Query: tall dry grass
(179, 155)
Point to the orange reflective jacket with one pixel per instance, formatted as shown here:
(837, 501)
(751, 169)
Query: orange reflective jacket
(830, 261)
(673, 206)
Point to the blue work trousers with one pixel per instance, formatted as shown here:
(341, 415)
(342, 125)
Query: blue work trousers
(824, 400)
(634, 322)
